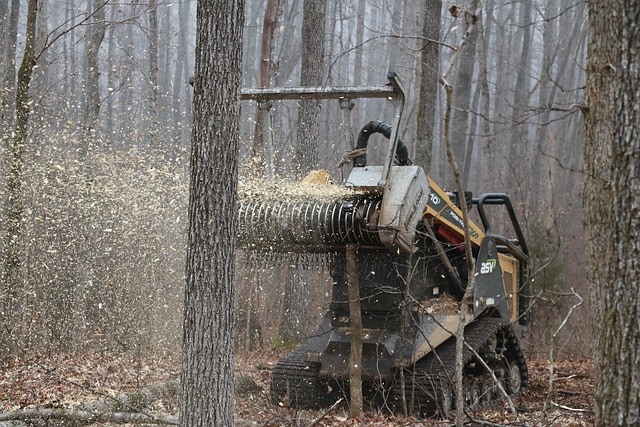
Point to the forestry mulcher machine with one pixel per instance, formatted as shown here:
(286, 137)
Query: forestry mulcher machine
(401, 238)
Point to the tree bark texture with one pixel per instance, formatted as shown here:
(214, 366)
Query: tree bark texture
(295, 304)
(462, 94)
(179, 112)
(13, 256)
(429, 60)
(272, 14)
(599, 131)
(521, 93)
(598, 134)
(489, 140)
(9, 12)
(97, 31)
(154, 82)
(355, 318)
(207, 378)
(610, 199)
(618, 378)
(311, 73)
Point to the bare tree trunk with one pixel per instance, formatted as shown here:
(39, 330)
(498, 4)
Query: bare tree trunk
(501, 23)
(181, 107)
(9, 16)
(429, 60)
(13, 234)
(152, 114)
(355, 318)
(311, 74)
(601, 92)
(457, 176)
(75, 99)
(357, 62)
(488, 158)
(166, 53)
(544, 99)
(271, 18)
(611, 201)
(306, 147)
(552, 147)
(462, 145)
(125, 74)
(286, 61)
(518, 144)
(9, 32)
(5, 34)
(96, 36)
(207, 376)
(108, 111)
(619, 390)
(91, 315)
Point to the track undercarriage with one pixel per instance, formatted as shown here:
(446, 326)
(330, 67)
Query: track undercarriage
(427, 387)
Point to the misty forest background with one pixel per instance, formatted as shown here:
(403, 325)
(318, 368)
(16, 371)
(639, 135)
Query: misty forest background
(103, 179)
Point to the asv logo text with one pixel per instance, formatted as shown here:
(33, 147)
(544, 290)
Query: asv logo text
(488, 266)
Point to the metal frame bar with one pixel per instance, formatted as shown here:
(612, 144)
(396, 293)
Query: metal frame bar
(393, 91)
(327, 92)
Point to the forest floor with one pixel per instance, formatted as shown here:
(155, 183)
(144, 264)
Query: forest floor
(71, 381)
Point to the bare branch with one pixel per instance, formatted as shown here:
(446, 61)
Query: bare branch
(554, 335)
(387, 36)
(497, 382)
(463, 42)
(325, 413)
(567, 408)
(468, 294)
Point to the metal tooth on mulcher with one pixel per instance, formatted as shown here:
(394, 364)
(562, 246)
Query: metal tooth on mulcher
(309, 225)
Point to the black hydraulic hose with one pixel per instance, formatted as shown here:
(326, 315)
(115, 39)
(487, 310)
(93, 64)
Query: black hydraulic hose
(379, 127)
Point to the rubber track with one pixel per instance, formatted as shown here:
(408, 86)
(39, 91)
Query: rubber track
(432, 376)
(514, 352)
(296, 383)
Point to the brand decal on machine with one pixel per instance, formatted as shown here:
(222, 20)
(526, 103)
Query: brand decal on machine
(487, 266)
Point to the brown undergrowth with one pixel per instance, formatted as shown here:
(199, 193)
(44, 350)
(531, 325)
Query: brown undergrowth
(73, 380)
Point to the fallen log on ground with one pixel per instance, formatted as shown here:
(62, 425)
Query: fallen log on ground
(45, 416)
(87, 417)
